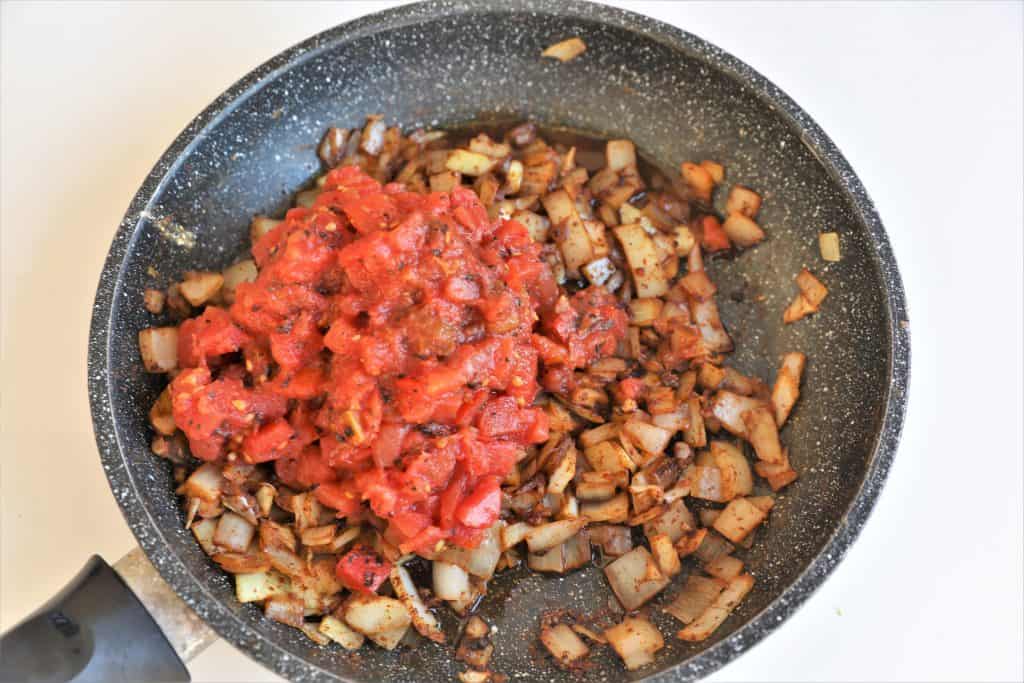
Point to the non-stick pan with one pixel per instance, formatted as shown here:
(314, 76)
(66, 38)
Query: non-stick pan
(448, 63)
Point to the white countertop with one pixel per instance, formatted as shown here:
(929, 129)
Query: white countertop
(924, 99)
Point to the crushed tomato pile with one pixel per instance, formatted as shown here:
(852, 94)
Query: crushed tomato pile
(390, 354)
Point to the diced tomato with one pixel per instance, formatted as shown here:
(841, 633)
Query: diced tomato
(211, 334)
(480, 509)
(268, 442)
(450, 499)
(362, 570)
(341, 496)
(313, 468)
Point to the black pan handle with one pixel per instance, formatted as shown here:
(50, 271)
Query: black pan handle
(95, 629)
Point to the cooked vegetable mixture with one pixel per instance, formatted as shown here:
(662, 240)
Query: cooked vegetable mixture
(474, 354)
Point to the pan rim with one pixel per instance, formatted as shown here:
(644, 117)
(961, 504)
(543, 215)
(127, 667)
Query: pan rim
(241, 634)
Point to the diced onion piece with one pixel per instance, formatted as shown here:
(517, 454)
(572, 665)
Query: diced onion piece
(674, 522)
(468, 163)
(714, 169)
(729, 407)
(697, 595)
(673, 421)
(285, 561)
(477, 589)
(614, 540)
(707, 484)
(476, 628)
(763, 433)
(695, 435)
(665, 554)
(474, 676)
(563, 644)
(547, 536)
(725, 567)
(605, 432)
(712, 547)
(538, 226)
(738, 519)
(620, 155)
(691, 542)
(484, 558)
(565, 50)
(709, 322)
(736, 477)
(644, 311)
(570, 233)
(811, 288)
(698, 285)
(423, 619)
(828, 243)
(763, 503)
(798, 309)
(451, 582)
(205, 483)
(318, 535)
(200, 287)
(340, 632)
(722, 607)
(787, 385)
(158, 347)
(644, 263)
(609, 456)
(161, 415)
(635, 640)
(743, 201)
(258, 586)
(373, 615)
(590, 492)
(576, 551)
(635, 578)
(552, 560)
(563, 472)
(233, 533)
(285, 609)
(614, 510)
(647, 437)
(699, 180)
(684, 240)
(389, 640)
(513, 534)
(600, 271)
(204, 530)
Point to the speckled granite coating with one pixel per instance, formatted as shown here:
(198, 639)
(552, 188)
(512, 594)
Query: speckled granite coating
(678, 97)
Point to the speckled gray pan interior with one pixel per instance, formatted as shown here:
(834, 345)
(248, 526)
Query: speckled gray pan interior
(678, 98)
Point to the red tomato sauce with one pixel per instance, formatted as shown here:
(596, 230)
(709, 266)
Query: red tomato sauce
(389, 354)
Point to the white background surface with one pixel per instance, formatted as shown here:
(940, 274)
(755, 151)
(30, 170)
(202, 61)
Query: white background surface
(924, 99)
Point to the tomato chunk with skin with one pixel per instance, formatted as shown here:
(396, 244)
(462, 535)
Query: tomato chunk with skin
(480, 509)
(362, 570)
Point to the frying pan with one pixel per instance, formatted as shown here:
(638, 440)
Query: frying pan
(449, 63)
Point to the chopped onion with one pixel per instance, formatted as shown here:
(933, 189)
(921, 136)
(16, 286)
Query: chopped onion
(547, 536)
(635, 640)
(158, 347)
(233, 533)
(635, 578)
(698, 593)
(373, 615)
(284, 609)
(205, 483)
(451, 582)
(338, 631)
(565, 50)
(258, 586)
(722, 607)
(422, 618)
(563, 644)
